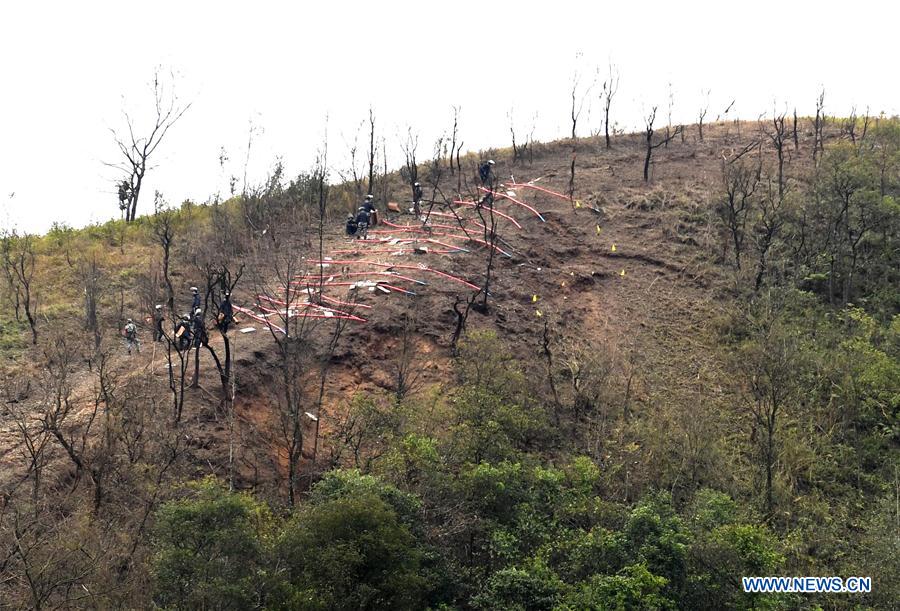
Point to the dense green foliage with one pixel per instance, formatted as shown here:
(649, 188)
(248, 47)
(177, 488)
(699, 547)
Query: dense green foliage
(534, 538)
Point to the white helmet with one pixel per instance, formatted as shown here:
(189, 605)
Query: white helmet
(198, 311)
(193, 289)
(490, 162)
(158, 306)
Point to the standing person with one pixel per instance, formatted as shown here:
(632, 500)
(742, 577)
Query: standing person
(226, 313)
(130, 333)
(417, 198)
(198, 328)
(369, 205)
(362, 223)
(486, 173)
(196, 298)
(158, 319)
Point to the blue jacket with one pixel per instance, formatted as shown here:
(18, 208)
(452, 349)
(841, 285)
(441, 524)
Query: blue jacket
(484, 171)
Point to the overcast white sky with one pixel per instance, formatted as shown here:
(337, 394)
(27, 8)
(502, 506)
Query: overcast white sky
(68, 68)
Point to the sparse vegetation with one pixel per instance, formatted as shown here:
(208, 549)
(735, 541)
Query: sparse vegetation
(696, 381)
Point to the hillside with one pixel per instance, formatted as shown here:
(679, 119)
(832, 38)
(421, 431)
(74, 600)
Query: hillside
(630, 415)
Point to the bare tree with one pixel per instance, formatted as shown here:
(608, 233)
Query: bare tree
(819, 127)
(740, 180)
(794, 129)
(90, 454)
(702, 113)
(163, 226)
(462, 316)
(578, 99)
(486, 214)
(529, 140)
(253, 130)
(453, 134)
(385, 184)
(19, 266)
(219, 281)
(295, 284)
(547, 351)
(89, 272)
(410, 146)
(35, 439)
(136, 149)
(725, 113)
(371, 186)
(406, 366)
(770, 219)
(610, 88)
(355, 169)
(865, 126)
(669, 115)
(648, 133)
(291, 332)
(848, 125)
(778, 136)
(512, 133)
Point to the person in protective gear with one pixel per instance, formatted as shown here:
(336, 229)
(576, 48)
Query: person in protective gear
(351, 225)
(486, 173)
(124, 191)
(369, 205)
(226, 313)
(158, 319)
(196, 299)
(130, 333)
(183, 333)
(417, 198)
(362, 223)
(198, 329)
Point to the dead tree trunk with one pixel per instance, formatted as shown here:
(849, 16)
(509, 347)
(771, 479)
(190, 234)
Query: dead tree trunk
(371, 190)
(610, 87)
(819, 128)
(796, 139)
(702, 115)
(453, 137)
(19, 265)
(648, 133)
(778, 136)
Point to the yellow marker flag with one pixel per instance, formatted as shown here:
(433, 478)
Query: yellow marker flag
(598, 229)
(614, 248)
(578, 203)
(622, 273)
(534, 298)
(538, 313)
